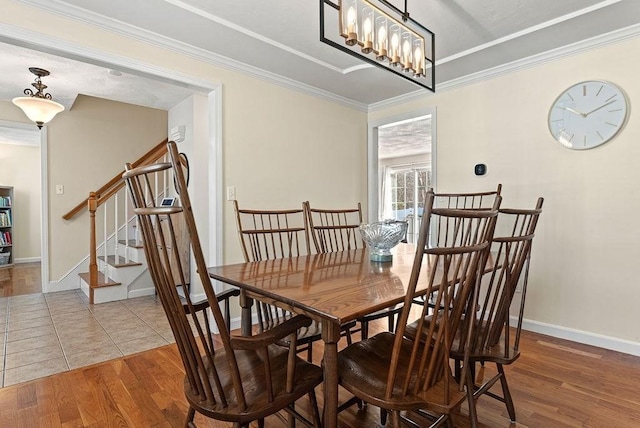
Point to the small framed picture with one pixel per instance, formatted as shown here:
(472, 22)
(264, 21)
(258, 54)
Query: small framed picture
(167, 202)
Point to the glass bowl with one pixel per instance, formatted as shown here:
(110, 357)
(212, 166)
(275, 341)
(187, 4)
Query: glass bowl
(382, 236)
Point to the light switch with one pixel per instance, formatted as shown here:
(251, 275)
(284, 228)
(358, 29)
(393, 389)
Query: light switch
(59, 189)
(231, 193)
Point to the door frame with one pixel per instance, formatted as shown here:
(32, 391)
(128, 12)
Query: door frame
(373, 189)
(211, 88)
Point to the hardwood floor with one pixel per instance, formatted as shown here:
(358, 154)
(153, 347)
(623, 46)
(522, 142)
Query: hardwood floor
(21, 278)
(555, 383)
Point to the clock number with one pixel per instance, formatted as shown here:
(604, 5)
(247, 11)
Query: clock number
(612, 124)
(599, 90)
(584, 90)
(599, 135)
(612, 97)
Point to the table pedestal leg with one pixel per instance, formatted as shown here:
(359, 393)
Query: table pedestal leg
(245, 320)
(331, 336)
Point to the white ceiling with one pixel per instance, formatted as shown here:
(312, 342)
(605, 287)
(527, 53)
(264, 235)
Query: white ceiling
(279, 40)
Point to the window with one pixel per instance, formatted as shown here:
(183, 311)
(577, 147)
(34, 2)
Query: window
(404, 195)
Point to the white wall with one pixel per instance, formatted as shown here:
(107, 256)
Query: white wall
(586, 249)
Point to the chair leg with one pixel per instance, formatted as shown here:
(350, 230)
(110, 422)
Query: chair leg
(473, 415)
(391, 322)
(310, 352)
(383, 417)
(506, 394)
(348, 334)
(395, 418)
(291, 420)
(315, 413)
(364, 330)
(188, 423)
(261, 423)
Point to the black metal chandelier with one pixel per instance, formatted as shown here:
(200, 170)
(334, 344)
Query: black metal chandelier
(372, 33)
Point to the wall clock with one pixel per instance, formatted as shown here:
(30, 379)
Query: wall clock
(588, 114)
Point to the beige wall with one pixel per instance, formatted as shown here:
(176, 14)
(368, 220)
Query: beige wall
(20, 168)
(287, 148)
(586, 249)
(88, 145)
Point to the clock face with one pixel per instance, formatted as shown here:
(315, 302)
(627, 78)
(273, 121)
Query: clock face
(588, 114)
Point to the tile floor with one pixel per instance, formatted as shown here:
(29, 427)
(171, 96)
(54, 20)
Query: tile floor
(44, 334)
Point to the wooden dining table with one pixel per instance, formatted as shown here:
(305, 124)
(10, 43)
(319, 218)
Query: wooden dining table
(331, 288)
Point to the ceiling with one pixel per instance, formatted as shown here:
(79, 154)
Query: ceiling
(279, 40)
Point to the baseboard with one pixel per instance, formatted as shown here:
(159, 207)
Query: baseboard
(580, 336)
(28, 260)
(55, 286)
(140, 292)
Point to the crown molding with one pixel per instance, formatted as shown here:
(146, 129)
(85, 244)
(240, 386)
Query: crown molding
(163, 42)
(514, 66)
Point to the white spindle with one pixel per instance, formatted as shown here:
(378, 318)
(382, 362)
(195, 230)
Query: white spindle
(115, 229)
(104, 246)
(126, 227)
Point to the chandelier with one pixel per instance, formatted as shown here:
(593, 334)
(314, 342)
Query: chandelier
(372, 33)
(38, 105)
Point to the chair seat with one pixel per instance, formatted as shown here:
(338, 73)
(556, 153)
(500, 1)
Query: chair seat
(495, 354)
(252, 369)
(363, 369)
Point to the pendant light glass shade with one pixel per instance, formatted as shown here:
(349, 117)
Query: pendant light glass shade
(38, 105)
(39, 110)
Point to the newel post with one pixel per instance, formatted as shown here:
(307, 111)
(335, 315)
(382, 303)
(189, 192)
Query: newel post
(93, 256)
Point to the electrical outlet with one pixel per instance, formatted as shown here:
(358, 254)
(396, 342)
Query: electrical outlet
(59, 189)
(231, 193)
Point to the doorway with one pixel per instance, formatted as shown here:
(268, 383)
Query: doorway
(401, 167)
(21, 161)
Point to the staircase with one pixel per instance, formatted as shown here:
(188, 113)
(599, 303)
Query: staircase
(117, 265)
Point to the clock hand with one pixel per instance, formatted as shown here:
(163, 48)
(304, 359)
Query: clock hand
(573, 111)
(598, 108)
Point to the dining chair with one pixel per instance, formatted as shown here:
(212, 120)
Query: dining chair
(339, 230)
(244, 379)
(470, 200)
(466, 201)
(398, 374)
(496, 336)
(278, 234)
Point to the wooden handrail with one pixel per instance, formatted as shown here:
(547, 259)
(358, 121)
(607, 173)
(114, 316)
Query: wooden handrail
(151, 156)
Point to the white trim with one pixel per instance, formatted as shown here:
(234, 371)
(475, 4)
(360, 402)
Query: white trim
(372, 154)
(514, 66)
(27, 260)
(580, 336)
(215, 178)
(59, 46)
(44, 211)
(529, 30)
(140, 292)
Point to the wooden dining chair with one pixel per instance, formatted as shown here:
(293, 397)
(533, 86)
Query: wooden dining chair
(339, 230)
(496, 336)
(246, 378)
(278, 234)
(398, 374)
(466, 201)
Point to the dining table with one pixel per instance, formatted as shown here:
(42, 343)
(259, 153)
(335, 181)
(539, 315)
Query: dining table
(330, 288)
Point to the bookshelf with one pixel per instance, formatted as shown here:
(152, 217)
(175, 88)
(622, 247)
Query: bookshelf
(6, 226)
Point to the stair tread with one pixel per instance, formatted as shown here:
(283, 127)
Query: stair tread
(102, 280)
(119, 262)
(131, 243)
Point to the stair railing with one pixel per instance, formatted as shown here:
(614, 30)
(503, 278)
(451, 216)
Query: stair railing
(113, 199)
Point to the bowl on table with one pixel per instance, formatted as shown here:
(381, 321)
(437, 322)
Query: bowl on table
(382, 236)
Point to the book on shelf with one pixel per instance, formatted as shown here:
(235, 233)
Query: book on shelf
(5, 201)
(5, 238)
(5, 219)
